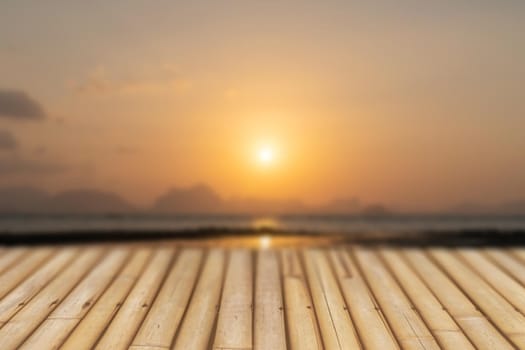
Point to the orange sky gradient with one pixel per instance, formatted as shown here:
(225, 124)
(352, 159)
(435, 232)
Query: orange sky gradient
(420, 106)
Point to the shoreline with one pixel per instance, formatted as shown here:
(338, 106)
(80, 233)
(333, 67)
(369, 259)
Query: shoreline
(423, 238)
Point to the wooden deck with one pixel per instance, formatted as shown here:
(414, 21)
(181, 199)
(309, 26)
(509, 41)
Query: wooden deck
(191, 296)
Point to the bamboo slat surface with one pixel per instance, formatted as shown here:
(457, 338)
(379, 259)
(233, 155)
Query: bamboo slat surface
(179, 296)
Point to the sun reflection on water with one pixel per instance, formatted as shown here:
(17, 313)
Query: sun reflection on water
(265, 242)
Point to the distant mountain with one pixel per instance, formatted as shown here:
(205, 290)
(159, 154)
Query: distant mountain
(23, 200)
(470, 208)
(196, 199)
(81, 201)
(516, 207)
(513, 208)
(202, 199)
(89, 201)
(375, 210)
(341, 206)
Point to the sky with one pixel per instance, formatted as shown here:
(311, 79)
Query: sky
(416, 104)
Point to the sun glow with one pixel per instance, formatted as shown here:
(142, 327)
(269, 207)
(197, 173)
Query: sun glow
(266, 155)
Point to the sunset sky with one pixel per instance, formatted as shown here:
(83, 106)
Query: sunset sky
(416, 104)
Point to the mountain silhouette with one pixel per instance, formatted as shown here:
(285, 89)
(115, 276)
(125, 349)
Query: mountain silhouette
(81, 201)
(513, 208)
(516, 207)
(202, 199)
(196, 199)
(23, 200)
(29, 200)
(341, 206)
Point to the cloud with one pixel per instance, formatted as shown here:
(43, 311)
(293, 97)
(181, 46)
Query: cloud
(15, 104)
(96, 83)
(7, 141)
(164, 80)
(20, 166)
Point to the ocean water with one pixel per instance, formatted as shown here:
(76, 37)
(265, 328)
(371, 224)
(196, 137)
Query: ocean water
(287, 223)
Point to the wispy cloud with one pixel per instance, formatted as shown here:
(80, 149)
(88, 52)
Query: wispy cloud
(166, 79)
(16, 104)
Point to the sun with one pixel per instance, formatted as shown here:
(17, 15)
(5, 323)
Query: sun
(266, 155)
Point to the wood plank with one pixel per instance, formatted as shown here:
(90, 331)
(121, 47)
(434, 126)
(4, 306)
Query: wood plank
(21, 325)
(76, 298)
(162, 321)
(124, 326)
(497, 278)
(25, 291)
(372, 328)
(409, 329)
(197, 325)
(509, 321)
(11, 256)
(302, 329)
(55, 329)
(270, 332)
(508, 262)
(334, 320)
(519, 253)
(19, 272)
(234, 324)
(90, 328)
(443, 327)
(475, 325)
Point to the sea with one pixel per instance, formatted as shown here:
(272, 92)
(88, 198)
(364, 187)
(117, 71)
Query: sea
(13, 224)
